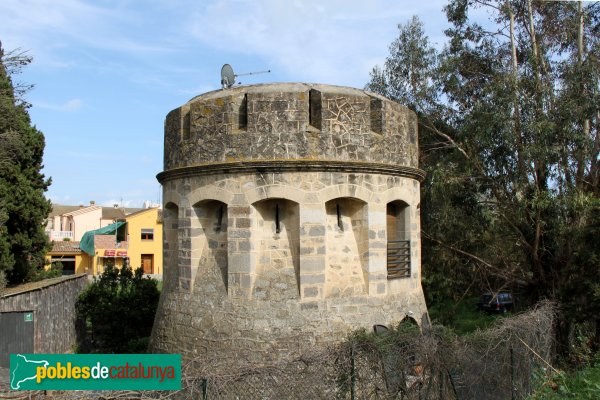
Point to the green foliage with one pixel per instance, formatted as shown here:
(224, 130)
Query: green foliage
(116, 312)
(408, 70)
(54, 271)
(394, 349)
(461, 317)
(509, 134)
(2, 282)
(395, 337)
(583, 384)
(23, 208)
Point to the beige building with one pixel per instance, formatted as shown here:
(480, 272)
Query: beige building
(71, 222)
(291, 217)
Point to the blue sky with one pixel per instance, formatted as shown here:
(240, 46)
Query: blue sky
(107, 72)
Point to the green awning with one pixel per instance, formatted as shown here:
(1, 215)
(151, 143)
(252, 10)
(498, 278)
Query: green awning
(87, 241)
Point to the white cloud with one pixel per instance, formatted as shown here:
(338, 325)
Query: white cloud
(195, 90)
(313, 40)
(56, 199)
(306, 40)
(132, 61)
(120, 202)
(29, 23)
(69, 106)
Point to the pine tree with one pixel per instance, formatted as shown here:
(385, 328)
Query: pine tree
(23, 207)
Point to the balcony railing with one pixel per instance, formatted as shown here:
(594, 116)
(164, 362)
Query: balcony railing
(59, 235)
(398, 259)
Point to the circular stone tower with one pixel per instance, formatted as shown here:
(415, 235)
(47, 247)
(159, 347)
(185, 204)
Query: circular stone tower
(291, 217)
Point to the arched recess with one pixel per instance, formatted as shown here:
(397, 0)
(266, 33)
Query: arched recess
(277, 244)
(208, 234)
(345, 190)
(210, 192)
(347, 241)
(398, 239)
(408, 324)
(171, 244)
(265, 192)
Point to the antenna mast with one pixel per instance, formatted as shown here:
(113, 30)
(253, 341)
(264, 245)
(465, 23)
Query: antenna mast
(228, 76)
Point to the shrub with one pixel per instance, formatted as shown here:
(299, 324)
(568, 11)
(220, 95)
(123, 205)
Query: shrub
(116, 312)
(54, 271)
(583, 384)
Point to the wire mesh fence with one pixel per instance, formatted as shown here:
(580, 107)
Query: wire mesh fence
(498, 363)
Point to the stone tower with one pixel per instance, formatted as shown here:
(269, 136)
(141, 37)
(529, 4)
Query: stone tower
(291, 217)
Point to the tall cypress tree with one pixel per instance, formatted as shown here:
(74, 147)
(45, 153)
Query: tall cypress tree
(23, 207)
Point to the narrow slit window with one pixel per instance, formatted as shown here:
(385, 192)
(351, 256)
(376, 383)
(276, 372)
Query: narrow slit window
(314, 108)
(310, 108)
(376, 115)
(185, 126)
(277, 222)
(339, 218)
(243, 114)
(219, 218)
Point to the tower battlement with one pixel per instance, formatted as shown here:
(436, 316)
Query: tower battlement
(290, 122)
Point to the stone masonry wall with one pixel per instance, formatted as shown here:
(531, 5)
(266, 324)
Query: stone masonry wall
(277, 300)
(279, 201)
(290, 121)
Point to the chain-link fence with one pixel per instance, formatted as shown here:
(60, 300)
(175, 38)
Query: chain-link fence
(402, 363)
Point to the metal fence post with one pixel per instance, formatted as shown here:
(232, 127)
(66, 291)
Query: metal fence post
(513, 388)
(441, 384)
(204, 387)
(352, 375)
(452, 384)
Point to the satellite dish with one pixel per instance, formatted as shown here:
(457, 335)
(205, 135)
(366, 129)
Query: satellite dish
(228, 76)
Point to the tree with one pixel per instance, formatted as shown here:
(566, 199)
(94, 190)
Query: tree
(117, 312)
(509, 117)
(449, 201)
(23, 207)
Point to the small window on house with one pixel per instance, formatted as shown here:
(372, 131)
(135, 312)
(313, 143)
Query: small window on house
(147, 234)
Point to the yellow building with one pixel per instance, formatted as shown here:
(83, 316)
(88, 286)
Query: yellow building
(70, 256)
(137, 241)
(144, 229)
